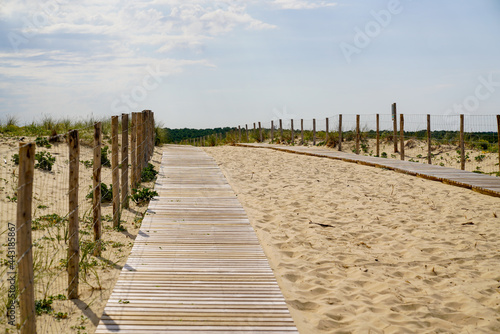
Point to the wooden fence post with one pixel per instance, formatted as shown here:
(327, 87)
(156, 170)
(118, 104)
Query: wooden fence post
(96, 199)
(143, 144)
(498, 133)
(429, 154)
(302, 131)
(124, 162)
(260, 133)
(140, 145)
(239, 134)
(25, 277)
(462, 143)
(293, 134)
(133, 152)
(73, 221)
(340, 132)
(246, 127)
(151, 135)
(378, 135)
(272, 132)
(326, 131)
(281, 131)
(314, 131)
(402, 135)
(145, 138)
(357, 134)
(115, 171)
(395, 125)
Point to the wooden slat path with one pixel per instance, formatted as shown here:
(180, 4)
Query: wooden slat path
(485, 184)
(196, 265)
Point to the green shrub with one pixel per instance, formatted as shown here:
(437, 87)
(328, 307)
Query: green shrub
(143, 195)
(87, 163)
(148, 174)
(42, 142)
(383, 155)
(480, 157)
(15, 159)
(44, 160)
(106, 193)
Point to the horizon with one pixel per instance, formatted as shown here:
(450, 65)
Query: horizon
(206, 64)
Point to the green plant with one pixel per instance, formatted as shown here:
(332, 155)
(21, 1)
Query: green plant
(45, 221)
(45, 161)
(42, 142)
(12, 199)
(61, 315)
(383, 155)
(143, 195)
(43, 306)
(364, 147)
(106, 193)
(87, 163)
(480, 157)
(148, 174)
(15, 159)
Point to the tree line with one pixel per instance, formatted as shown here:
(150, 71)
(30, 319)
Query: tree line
(178, 135)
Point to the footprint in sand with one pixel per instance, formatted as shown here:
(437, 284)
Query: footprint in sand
(303, 305)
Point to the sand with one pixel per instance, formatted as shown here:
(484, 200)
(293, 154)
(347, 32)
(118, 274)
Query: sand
(358, 249)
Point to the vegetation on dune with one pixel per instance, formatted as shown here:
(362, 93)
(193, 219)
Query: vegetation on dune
(50, 130)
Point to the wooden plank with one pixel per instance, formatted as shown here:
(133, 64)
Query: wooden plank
(196, 258)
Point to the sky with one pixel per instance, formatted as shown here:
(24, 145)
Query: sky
(200, 63)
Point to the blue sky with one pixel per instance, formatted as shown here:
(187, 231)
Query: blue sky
(199, 63)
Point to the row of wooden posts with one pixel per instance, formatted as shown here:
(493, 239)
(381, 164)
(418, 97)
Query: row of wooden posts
(141, 149)
(401, 151)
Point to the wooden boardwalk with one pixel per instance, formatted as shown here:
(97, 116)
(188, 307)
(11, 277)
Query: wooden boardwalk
(196, 265)
(485, 184)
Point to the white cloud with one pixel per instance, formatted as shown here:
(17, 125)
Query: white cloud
(302, 4)
(92, 51)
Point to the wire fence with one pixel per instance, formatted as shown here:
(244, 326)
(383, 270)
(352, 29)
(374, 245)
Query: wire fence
(468, 142)
(67, 202)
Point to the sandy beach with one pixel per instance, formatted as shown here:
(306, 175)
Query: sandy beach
(358, 249)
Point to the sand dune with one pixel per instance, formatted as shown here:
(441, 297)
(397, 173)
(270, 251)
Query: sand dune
(358, 249)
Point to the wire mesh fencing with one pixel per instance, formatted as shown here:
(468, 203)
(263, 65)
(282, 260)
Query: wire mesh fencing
(70, 206)
(468, 142)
